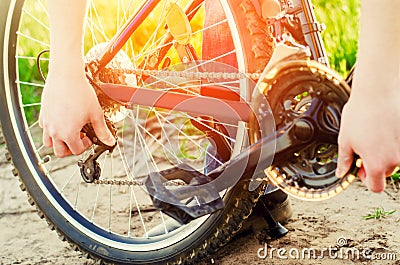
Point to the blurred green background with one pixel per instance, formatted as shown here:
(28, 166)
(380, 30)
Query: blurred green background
(341, 36)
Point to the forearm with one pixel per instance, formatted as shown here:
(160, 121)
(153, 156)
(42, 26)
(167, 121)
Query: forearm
(66, 34)
(379, 47)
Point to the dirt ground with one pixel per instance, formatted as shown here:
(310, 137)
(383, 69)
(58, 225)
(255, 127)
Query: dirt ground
(335, 228)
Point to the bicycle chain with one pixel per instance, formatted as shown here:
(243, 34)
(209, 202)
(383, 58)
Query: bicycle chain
(182, 74)
(115, 182)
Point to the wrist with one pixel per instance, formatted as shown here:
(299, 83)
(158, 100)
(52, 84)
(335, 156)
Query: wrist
(66, 66)
(73, 79)
(375, 79)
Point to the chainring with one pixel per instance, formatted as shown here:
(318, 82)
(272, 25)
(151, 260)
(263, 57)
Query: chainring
(291, 88)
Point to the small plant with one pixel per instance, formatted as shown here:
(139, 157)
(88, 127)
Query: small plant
(378, 213)
(395, 177)
(394, 180)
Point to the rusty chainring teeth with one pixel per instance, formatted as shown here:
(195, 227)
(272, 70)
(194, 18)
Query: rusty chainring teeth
(300, 88)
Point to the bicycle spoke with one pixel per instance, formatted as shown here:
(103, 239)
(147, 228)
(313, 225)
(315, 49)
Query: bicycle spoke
(186, 115)
(30, 84)
(100, 23)
(32, 125)
(210, 26)
(135, 137)
(31, 105)
(31, 58)
(33, 39)
(36, 19)
(152, 38)
(167, 136)
(95, 203)
(92, 27)
(134, 195)
(43, 8)
(109, 208)
(125, 16)
(77, 195)
(130, 212)
(68, 180)
(194, 142)
(163, 220)
(170, 150)
(155, 139)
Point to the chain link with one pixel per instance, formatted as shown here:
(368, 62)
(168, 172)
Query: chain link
(185, 74)
(117, 182)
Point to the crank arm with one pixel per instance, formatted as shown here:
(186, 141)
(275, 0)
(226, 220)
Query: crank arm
(201, 195)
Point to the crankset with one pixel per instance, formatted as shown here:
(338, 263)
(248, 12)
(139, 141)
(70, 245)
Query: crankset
(306, 99)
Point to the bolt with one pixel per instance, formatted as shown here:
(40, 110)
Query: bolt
(303, 130)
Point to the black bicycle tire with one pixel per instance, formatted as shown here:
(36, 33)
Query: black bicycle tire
(224, 225)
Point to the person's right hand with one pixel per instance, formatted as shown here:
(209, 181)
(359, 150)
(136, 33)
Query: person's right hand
(370, 127)
(68, 103)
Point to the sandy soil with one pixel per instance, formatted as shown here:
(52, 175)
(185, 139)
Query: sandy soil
(26, 239)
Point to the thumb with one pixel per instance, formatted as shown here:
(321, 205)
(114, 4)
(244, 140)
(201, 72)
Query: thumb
(345, 159)
(102, 131)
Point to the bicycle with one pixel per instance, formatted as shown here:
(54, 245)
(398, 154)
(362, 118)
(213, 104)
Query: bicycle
(149, 216)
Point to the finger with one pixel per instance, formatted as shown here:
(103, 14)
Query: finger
(345, 159)
(102, 131)
(86, 140)
(47, 141)
(376, 177)
(60, 149)
(78, 145)
(41, 124)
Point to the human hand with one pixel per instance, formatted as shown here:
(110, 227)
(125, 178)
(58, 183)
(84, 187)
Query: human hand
(68, 103)
(370, 127)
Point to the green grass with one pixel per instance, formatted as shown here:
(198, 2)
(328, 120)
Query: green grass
(378, 213)
(341, 36)
(395, 177)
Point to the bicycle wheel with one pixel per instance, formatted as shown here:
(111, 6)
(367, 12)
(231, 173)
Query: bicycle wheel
(119, 224)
